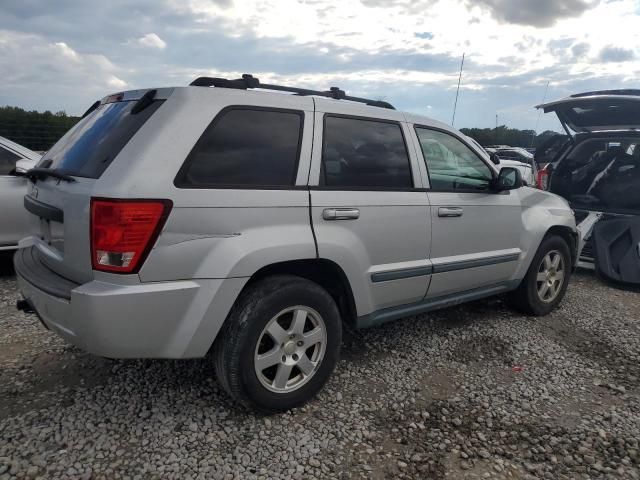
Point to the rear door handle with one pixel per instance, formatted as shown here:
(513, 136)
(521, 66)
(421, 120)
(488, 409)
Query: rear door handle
(450, 211)
(341, 213)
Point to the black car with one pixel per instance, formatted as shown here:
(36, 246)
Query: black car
(598, 172)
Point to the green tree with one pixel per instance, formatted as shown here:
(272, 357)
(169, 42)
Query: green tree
(504, 135)
(35, 130)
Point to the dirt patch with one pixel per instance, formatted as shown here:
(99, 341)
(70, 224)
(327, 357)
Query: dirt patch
(461, 469)
(483, 349)
(570, 412)
(439, 384)
(624, 369)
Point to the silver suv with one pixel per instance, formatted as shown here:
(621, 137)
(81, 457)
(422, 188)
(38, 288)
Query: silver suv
(227, 219)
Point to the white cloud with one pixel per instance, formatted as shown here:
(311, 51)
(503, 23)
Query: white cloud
(116, 82)
(66, 51)
(405, 50)
(452, 28)
(39, 74)
(151, 40)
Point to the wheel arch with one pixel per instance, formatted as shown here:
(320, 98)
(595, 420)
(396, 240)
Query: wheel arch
(326, 273)
(568, 235)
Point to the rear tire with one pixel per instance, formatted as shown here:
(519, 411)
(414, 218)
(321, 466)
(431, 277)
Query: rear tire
(279, 345)
(546, 281)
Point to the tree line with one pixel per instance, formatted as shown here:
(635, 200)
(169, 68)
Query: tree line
(40, 130)
(508, 136)
(35, 130)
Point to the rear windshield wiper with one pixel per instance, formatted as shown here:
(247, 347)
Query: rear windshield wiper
(41, 173)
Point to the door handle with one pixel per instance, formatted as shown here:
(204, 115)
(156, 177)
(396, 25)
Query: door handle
(341, 213)
(450, 211)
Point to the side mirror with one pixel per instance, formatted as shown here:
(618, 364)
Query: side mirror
(509, 178)
(494, 158)
(23, 165)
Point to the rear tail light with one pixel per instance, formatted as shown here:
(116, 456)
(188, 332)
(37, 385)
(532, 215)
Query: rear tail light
(123, 232)
(542, 182)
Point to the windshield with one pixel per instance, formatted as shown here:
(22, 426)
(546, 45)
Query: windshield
(91, 145)
(601, 175)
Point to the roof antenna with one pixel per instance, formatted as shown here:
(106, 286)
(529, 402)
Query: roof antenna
(455, 105)
(535, 130)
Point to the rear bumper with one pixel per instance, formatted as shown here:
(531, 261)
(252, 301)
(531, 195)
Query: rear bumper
(178, 319)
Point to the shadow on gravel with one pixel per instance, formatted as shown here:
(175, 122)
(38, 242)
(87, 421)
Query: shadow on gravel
(55, 378)
(357, 344)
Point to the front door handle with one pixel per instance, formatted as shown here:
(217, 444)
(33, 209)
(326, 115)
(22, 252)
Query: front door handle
(450, 211)
(341, 213)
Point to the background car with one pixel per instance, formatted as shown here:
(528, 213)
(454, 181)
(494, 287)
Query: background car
(521, 159)
(15, 160)
(598, 172)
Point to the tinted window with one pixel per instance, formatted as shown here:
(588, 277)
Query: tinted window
(7, 161)
(91, 145)
(364, 153)
(245, 147)
(451, 164)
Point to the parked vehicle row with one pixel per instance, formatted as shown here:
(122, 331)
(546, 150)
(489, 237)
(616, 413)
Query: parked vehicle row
(518, 158)
(15, 160)
(251, 225)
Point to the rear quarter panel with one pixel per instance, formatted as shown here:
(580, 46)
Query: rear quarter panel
(212, 232)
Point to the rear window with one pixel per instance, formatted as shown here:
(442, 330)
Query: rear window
(91, 145)
(362, 153)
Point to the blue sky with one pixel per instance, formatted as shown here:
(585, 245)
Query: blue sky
(64, 54)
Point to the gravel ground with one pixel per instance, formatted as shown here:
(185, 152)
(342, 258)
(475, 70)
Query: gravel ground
(470, 392)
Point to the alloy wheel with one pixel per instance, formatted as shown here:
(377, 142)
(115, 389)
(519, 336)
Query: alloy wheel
(550, 278)
(290, 349)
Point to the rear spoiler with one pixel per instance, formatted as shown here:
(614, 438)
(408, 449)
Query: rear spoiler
(131, 95)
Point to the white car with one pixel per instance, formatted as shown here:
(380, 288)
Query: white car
(523, 161)
(15, 160)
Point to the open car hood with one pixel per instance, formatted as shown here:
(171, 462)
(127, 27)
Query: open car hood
(598, 111)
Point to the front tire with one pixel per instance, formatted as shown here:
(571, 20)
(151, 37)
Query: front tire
(546, 281)
(279, 344)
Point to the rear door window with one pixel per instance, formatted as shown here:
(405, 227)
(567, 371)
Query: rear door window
(7, 161)
(91, 145)
(362, 153)
(246, 148)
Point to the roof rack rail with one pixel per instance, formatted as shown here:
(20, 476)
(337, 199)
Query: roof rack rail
(628, 91)
(249, 81)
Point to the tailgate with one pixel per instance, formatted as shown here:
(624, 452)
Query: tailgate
(59, 194)
(59, 223)
(598, 111)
